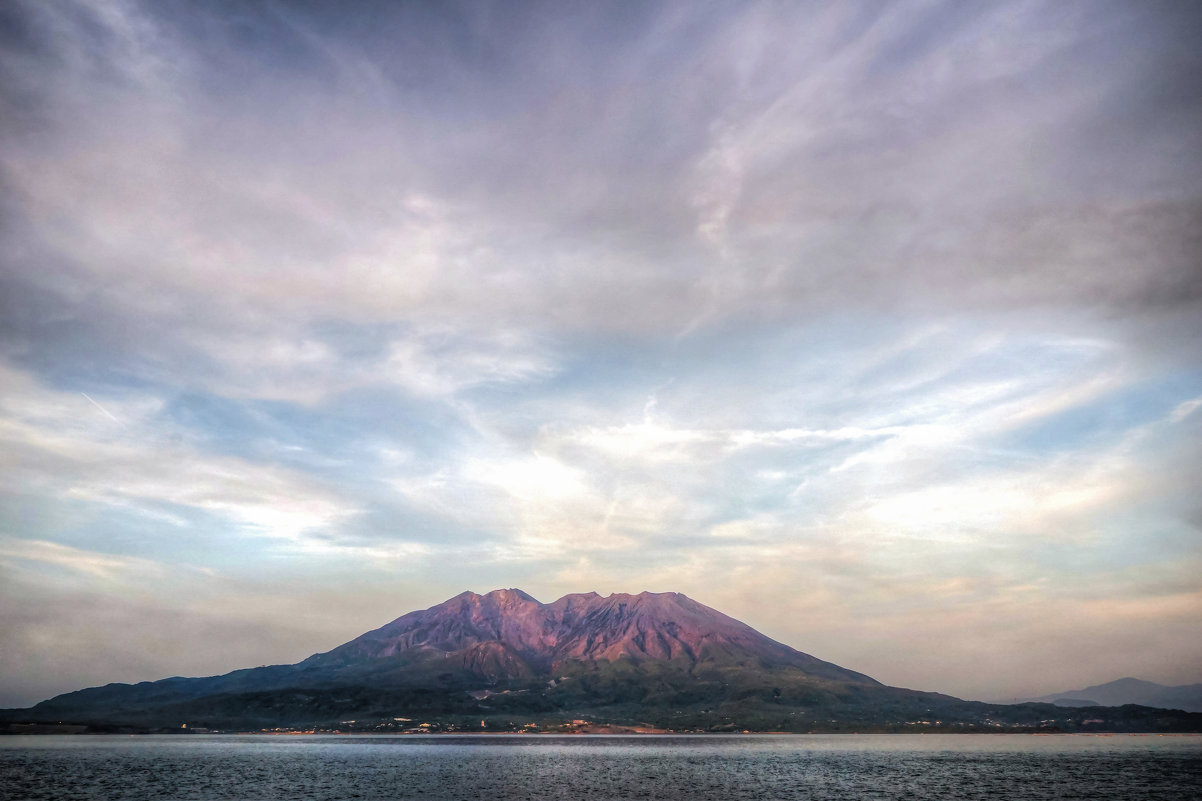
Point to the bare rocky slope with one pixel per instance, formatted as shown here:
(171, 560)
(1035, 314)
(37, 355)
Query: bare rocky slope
(507, 634)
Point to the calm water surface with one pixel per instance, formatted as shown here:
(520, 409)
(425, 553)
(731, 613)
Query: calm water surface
(606, 768)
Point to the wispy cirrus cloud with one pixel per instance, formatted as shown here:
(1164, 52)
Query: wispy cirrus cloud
(64, 447)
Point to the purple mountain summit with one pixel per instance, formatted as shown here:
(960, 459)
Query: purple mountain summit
(507, 634)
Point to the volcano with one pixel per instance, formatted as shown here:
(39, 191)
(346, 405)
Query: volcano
(507, 634)
(505, 661)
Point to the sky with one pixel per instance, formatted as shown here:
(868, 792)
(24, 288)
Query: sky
(877, 326)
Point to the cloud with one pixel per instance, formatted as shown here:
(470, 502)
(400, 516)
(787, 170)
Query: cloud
(1185, 409)
(63, 448)
(829, 178)
(106, 567)
(444, 362)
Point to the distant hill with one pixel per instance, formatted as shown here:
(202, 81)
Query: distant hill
(1187, 697)
(505, 661)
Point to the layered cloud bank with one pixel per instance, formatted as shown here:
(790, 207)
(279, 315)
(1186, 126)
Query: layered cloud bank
(877, 326)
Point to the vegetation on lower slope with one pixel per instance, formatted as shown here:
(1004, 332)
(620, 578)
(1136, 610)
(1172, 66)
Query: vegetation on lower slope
(715, 696)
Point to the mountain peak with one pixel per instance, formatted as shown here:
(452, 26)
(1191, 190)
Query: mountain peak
(510, 592)
(507, 633)
(510, 596)
(1131, 690)
(1129, 682)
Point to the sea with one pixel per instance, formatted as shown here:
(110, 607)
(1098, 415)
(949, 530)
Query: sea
(532, 767)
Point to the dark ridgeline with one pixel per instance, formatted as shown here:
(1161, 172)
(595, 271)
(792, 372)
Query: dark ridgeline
(504, 660)
(1187, 697)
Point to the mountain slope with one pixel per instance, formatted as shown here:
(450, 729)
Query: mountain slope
(504, 638)
(507, 634)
